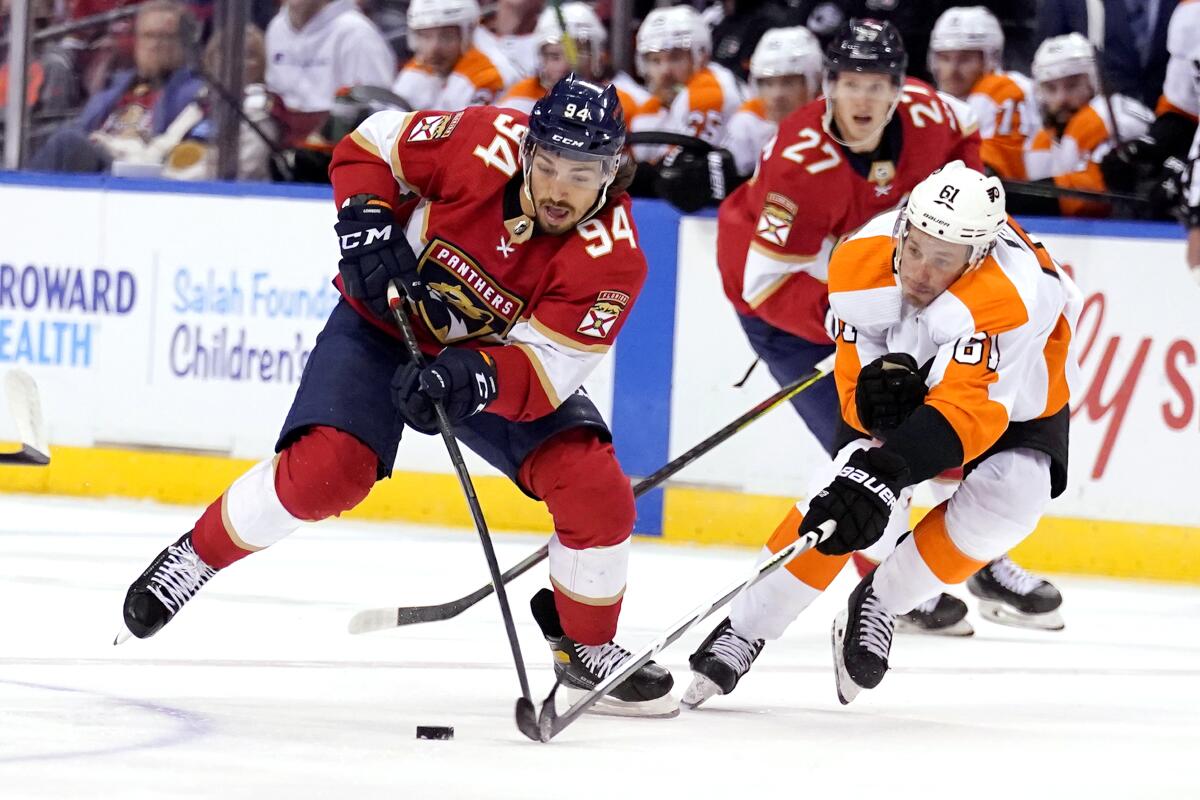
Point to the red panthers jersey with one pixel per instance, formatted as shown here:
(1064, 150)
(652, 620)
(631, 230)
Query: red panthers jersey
(776, 232)
(545, 308)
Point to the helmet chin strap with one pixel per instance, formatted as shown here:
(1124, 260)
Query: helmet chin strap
(827, 118)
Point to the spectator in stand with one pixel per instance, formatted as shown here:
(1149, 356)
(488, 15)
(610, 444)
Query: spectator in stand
(315, 48)
(785, 73)
(690, 94)
(738, 25)
(511, 31)
(196, 157)
(1191, 207)
(131, 120)
(589, 38)
(1080, 124)
(1131, 36)
(450, 68)
(966, 52)
(53, 85)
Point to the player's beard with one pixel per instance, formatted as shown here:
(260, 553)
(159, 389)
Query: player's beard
(568, 216)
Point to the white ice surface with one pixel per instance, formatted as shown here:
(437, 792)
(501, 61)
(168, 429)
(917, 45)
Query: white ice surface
(256, 689)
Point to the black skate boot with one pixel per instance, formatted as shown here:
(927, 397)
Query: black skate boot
(579, 667)
(172, 579)
(862, 639)
(1013, 596)
(944, 615)
(719, 663)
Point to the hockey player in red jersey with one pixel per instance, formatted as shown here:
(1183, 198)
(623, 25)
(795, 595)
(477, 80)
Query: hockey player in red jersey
(835, 163)
(520, 262)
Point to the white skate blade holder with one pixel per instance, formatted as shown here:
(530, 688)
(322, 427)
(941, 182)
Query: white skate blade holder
(1004, 614)
(663, 707)
(847, 689)
(959, 629)
(700, 690)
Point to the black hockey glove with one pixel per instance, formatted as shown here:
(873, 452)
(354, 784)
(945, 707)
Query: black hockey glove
(888, 390)
(859, 501)
(690, 181)
(1130, 163)
(374, 253)
(463, 380)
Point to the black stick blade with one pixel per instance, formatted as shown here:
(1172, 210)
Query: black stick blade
(527, 722)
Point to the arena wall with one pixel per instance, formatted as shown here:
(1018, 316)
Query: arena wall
(167, 325)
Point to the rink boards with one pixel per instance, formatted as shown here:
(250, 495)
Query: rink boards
(168, 324)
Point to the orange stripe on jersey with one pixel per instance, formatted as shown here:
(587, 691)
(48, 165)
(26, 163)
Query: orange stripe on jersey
(529, 88)
(1055, 352)
(864, 263)
(704, 92)
(1087, 128)
(628, 103)
(476, 67)
(810, 567)
(961, 396)
(999, 87)
(1165, 106)
(1042, 140)
(993, 300)
(1005, 156)
(412, 63)
(938, 550)
(651, 106)
(755, 106)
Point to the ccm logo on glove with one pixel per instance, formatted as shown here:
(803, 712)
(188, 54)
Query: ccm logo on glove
(351, 240)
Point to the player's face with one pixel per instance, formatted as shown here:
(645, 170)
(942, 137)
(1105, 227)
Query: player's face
(956, 71)
(782, 94)
(563, 190)
(1062, 97)
(861, 102)
(928, 266)
(555, 65)
(438, 48)
(668, 72)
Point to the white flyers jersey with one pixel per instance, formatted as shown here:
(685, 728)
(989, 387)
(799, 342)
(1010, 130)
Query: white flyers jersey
(747, 134)
(1008, 115)
(474, 81)
(701, 109)
(999, 338)
(1181, 87)
(338, 47)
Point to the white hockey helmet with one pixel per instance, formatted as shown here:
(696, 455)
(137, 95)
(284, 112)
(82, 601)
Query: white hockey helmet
(673, 28)
(582, 25)
(788, 51)
(426, 14)
(1063, 56)
(956, 204)
(968, 28)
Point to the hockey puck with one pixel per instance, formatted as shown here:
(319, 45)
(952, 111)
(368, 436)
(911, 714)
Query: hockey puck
(435, 732)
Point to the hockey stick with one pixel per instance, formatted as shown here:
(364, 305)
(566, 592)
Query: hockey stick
(378, 619)
(464, 478)
(26, 412)
(549, 723)
(1038, 189)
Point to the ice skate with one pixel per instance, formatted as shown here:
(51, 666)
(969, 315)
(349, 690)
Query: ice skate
(579, 667)
(944, 615)
(172, 579)
(719, 663)
(1011, 595)
(862, 639)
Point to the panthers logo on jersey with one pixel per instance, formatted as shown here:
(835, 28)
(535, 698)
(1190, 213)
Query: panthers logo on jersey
(478, 305)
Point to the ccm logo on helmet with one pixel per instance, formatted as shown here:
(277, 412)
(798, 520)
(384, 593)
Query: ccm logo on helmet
(870, 484)
(558, 137)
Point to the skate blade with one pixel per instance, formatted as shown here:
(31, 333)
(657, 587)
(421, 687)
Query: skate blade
(847, 689)
(701, 688)
(1002, 614)
(960, 628)
(122, 636)
(663, 707)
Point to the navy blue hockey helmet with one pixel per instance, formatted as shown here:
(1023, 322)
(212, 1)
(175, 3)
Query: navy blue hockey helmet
(867, 45)
(582, 121)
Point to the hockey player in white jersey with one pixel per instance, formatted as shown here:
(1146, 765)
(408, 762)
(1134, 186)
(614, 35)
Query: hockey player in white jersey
(785, 73)
(947, 300)
(966, 50)
(449, 69)
(690, 94)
